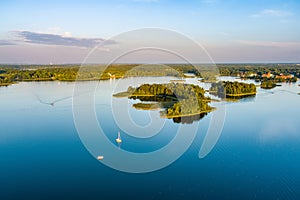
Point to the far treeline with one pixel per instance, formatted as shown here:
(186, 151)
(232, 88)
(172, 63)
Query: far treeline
(262, 72)
(248, 69)
(15, 73)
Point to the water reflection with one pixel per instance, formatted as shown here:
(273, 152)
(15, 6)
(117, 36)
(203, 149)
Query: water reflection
(189, 119)
(248, 99)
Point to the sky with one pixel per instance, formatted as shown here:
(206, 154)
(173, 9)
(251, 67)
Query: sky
(43, 32)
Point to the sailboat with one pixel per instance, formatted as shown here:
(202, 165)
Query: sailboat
(100, 157)
(119, 140)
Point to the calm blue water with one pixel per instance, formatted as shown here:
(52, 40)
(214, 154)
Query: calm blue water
(42, 157)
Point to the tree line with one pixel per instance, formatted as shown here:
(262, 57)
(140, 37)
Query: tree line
(248, 69)
(208, 72)
(16, 73)
(232, 89)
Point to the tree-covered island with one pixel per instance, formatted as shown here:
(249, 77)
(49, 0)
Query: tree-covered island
(227, 89)
(268, 84)
(175, 99)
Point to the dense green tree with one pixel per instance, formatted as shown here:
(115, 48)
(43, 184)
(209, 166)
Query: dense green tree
(232, 89)
(268, 84)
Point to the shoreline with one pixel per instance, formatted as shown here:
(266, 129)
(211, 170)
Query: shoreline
(5, 84)
(147, 106)
(129, 95)
(188, 115)
(240, 95)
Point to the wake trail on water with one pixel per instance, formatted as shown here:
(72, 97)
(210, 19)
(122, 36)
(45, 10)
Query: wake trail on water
(52, 103)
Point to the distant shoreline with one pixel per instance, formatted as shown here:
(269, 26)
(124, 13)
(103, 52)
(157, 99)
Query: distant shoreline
(14, 73)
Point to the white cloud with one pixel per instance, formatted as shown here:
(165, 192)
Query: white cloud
(67, 34)
(271, 13)
(55, 39)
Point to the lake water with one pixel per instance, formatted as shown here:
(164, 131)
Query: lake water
(42, 155)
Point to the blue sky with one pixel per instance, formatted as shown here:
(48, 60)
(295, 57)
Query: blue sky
(230, 30)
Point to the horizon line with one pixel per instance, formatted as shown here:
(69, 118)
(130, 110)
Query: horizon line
(52, 64)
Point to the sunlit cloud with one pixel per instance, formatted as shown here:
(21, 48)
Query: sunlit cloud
(271, 13)
(62, 40)
(67, 34)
